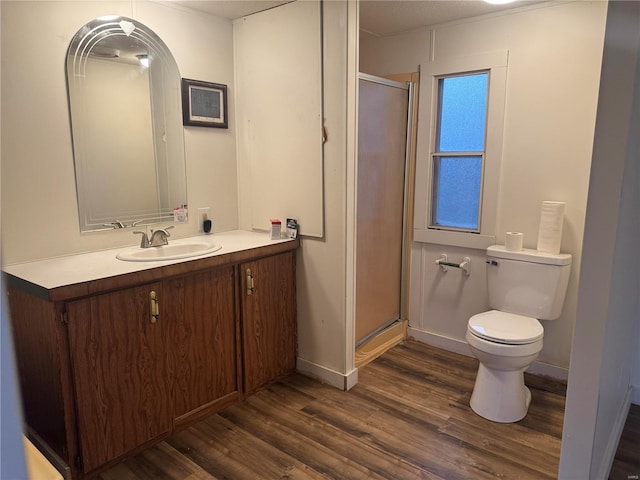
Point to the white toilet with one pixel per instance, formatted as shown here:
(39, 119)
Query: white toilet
(524, 286)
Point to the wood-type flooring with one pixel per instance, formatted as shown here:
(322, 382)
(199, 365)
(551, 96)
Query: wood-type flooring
(407, 418)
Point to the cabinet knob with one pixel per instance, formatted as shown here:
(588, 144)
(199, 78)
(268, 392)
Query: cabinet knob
(154, 306)
(250, 287)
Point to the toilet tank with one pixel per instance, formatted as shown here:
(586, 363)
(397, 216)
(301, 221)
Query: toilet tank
(527, 282)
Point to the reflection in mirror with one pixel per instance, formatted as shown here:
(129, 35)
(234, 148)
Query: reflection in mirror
(126, 121)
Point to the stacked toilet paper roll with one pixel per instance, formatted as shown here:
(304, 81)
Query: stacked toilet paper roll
(513, 241)
(550, 231)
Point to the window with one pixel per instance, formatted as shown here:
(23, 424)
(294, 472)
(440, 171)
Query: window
(459, 150)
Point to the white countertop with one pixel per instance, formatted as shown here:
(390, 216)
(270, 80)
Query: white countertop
(68, 270)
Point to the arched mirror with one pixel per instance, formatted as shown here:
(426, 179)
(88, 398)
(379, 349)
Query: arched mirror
(128, 143)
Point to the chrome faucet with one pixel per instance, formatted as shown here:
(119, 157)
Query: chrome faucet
(144, 242)
(158, 237)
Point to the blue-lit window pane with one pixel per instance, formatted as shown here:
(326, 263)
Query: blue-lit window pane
(462, 113)
(456, 192)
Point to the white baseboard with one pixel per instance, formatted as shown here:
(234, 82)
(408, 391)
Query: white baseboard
(338, 380)
(614, 438)
(461, 347)
(439, 341)
(547, 370)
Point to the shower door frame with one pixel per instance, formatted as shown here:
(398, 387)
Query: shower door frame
(406, 210)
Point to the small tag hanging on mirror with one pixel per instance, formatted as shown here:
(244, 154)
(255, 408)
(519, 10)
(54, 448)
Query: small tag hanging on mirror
(181, 214)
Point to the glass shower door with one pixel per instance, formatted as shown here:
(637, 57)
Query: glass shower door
(382, 145)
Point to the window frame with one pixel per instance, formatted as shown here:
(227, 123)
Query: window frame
(495, 64)
(431, 211)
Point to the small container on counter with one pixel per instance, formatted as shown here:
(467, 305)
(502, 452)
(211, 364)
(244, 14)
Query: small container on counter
(276, 228)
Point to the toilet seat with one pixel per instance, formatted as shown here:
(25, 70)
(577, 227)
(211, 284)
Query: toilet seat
(505, 328)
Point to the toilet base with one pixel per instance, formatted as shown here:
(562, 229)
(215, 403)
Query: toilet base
(500, 395)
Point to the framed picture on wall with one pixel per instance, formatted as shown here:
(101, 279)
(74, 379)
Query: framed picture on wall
(204, 104)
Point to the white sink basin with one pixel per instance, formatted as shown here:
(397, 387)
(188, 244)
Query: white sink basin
(172, 251)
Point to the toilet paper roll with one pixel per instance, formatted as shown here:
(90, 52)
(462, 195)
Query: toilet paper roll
(513, 241)
(550, 232)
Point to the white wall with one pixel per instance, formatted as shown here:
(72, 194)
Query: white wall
(11, 446)
(599, 393)
(552, 85)
(325, 338)
(279, 150)
(39, 209)
(635, 370)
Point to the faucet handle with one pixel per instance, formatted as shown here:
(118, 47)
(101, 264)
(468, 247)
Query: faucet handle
(162, 231)
(159, 237)
(144, 242)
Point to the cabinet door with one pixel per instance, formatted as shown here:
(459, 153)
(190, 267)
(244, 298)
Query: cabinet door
(269, 319)
(119, 371)
(203, 342)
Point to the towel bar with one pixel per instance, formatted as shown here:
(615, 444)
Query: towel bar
(465, 265)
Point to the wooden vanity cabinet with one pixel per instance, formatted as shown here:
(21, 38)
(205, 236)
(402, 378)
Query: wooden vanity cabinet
(203, 343)
(269, 319)
(142, 374)
(114, 370)
(120, 370)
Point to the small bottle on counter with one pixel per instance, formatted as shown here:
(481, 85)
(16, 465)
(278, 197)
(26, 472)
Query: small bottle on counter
(276, 228)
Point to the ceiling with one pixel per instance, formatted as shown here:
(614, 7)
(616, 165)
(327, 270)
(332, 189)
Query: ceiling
(389, 17)
(379, 17)
(230, 9)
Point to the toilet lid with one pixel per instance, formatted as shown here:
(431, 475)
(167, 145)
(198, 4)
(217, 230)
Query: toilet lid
(507, 328)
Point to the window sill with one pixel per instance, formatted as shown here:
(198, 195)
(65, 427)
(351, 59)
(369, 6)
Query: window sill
(454, 239)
